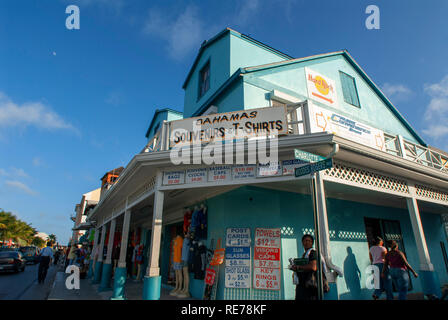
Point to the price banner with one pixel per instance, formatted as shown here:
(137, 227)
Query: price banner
(267, 259)
(238, 260)
(238, 237)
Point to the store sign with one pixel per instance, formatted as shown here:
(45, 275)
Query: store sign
(173, 177)
(325, 120)
(320, 88)
(244, 171)
(238, 237)
(196, 175)
(238, 258)
(270, 169)
(314, 167)
(289, 166)
(229, 125)
(306, 156)
(267, 259)
(219, 173)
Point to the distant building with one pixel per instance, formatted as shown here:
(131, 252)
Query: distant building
(88, 201)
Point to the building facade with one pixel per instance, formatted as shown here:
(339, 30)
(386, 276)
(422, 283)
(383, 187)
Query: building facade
(384, 179)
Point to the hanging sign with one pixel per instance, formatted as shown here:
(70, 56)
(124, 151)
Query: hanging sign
(270, 169)
(196, 175)
(267, 264)
(288, 166)
(243, 171)
(173, 177)
(320, 88)
(220, 173)
(324, 120)
(229, 125)
(237, 271)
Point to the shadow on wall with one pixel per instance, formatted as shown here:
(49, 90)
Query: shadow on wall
(352, 276)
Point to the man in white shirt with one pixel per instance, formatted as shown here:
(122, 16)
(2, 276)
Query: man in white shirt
(46, 254)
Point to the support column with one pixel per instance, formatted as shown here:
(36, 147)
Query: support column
(428, 277)
(153, 280)
(121, 271)
(92, 254)
(324, 240)
(99, 262)
(107, 265)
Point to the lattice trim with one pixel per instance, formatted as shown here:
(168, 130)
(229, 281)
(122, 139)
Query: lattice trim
(431, 193)
(149, 186)
(367, 178)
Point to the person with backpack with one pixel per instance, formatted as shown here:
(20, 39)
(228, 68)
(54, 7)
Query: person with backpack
(398, 266)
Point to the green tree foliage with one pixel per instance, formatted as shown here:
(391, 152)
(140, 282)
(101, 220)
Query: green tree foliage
(38, 242)
(15, 229)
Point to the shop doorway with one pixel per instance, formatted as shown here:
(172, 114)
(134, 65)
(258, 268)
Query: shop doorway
(387, 230)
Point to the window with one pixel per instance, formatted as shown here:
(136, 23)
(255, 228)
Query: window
(349, 89)
(204, 80)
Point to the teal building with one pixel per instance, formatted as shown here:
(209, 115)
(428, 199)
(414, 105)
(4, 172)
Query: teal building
(385, 180)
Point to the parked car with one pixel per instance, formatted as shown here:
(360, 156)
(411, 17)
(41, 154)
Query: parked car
(30, 253)
(12, 261)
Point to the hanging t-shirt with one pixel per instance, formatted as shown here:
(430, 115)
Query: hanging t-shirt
(177, 249)
(199, 262)
(195, 221)
(187, 220)
(193, 248)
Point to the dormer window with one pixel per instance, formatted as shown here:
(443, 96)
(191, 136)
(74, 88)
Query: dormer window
(204, 80)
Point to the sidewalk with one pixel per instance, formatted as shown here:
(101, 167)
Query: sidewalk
(88, 291)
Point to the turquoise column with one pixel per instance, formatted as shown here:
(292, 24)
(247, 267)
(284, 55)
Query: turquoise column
(97, 275)
(105, 277)
(107, 266)
(121, 271)
(99, 263)
(152, 287)
(119, 284)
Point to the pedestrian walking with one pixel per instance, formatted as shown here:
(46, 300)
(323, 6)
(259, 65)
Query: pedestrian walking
(72, 255)
(377, 254)
(45, 257)
(398, 267)
(305, 273)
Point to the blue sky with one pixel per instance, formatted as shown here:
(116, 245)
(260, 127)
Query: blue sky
(76, 103)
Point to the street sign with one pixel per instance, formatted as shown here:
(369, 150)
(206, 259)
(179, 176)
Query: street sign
(306, 156)
(314, 167)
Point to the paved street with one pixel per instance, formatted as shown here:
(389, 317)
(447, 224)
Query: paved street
(24, 286)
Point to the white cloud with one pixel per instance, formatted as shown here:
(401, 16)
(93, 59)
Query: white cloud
(183, 33)
(436, 113)
(396, 92)
(14, 172)
(20, 186)
(30, 114)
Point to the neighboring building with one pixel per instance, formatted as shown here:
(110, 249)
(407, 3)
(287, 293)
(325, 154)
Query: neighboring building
(88, 201)
(109, 179)
(43, 236)
(385, 181)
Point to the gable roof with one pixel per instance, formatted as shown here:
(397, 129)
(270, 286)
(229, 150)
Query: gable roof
(223, 33)
(155, 115)
(346, 55)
